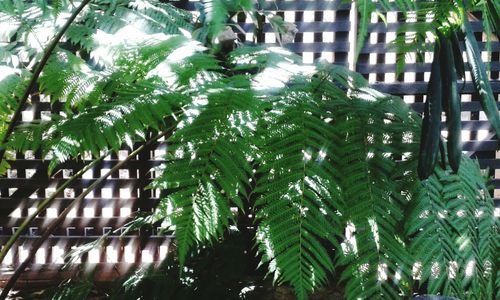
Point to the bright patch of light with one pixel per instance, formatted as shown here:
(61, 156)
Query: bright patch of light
(374, 229)
(307, 155)
(442, 214)
(397, 276)
(16, 213)
(127, 37)
(90, 195)
(107, 212)
(93, 256)
(8, 259)
(246, 290)
(9, 27)
(38, 36)
(322, 154)
(57, 255)
(88, 175)
(40, 256)
(23, 253)
(71, 213)
(125, 193)
(31, 210)
(6, 71)
(416, 270)
(146, 256)
(469, 269)
(163, 251)
(129, 254)
(107, 193)
(464, 242)
(88, 212)
(51, 212)
(452, 269)
(350, 243)
(276, 77)
(125, 211)
(111, 254)
(435, 270)
(382, 272)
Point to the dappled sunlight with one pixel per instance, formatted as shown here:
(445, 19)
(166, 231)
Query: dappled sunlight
(6, 71)
(310, 171)
(277, 77)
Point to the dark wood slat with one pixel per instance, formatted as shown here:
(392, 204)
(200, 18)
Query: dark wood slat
(413, 67)
(384, 47)
(411, 88)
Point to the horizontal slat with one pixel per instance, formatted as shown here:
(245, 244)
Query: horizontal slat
(305, 26)
(316, 5)
(381, 27)
(411, 88)
(78, 183)
(384, 47)
(471, 106)
(413, 67)
(318, 47)
(106, 164)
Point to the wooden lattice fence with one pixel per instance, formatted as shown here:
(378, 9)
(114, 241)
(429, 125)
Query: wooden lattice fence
(325, 30)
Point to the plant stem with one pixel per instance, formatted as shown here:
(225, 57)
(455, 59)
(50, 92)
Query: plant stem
(52, 226)
(34, 78)
(42, 206)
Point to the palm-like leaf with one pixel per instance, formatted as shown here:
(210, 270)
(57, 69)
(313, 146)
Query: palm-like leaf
(101, 127)
(298, 195)
(208, 168)
(454, 233)
(372, 186)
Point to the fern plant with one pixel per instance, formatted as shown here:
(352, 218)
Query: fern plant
(327, 164)
(446, 25)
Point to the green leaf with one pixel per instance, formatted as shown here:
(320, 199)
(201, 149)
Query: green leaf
(480, 78)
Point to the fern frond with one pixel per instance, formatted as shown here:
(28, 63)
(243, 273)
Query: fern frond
(208, 167)
(12, 84)
(72, 289)
(101, 127)
(365, 9)
(68, 78)
(299, 197)
(453, 233)
(373, 189)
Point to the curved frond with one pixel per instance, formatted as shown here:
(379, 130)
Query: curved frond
(453, 231)
(208, 167)
(374, 187)
(299, 197)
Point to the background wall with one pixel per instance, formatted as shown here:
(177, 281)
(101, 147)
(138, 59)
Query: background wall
(326, 30)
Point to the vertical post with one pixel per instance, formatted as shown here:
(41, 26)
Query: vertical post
(353, 36)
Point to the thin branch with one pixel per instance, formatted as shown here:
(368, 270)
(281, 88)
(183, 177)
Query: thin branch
(48, 51)
(52, 226)
(43, 206)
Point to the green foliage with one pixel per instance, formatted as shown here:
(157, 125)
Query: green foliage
(72, 289)
(92, 31)
(432, 22)
(215, 15)
(480, 78)
(326, 164)
(12, 84)
(453, 232)
(208, 167)
(298, 198)
(365, 9)
(373, 187)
